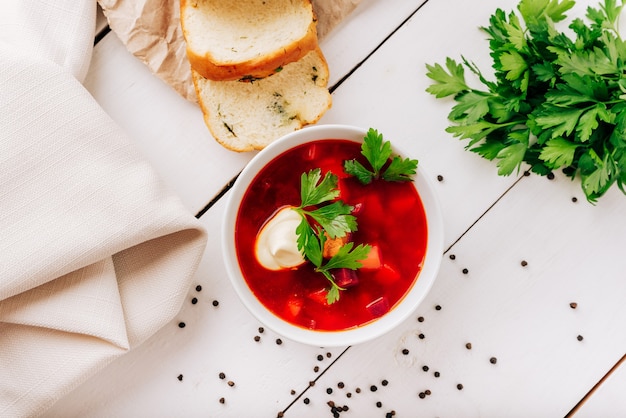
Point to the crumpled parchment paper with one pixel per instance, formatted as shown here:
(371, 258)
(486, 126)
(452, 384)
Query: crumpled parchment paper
(151, 31)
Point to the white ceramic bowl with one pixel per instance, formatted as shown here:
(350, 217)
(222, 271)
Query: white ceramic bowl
(378, 327)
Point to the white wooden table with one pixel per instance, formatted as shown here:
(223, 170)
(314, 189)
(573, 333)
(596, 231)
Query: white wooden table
(223, 363)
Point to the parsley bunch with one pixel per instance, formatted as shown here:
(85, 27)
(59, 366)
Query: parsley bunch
(556, 103)
(333, 220)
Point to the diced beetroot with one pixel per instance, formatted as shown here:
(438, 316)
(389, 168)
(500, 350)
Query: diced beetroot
(373, 259)
(319, 296)
(345, 278)
(378, 307)
(387, 274)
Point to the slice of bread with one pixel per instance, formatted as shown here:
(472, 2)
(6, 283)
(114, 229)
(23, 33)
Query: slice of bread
(246, 116)
(246, 39)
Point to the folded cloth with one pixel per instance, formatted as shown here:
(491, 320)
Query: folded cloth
(95, 253)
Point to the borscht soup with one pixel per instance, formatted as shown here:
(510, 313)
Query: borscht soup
(391, 222)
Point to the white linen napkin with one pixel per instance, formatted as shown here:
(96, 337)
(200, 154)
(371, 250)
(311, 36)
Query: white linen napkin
(95, 254)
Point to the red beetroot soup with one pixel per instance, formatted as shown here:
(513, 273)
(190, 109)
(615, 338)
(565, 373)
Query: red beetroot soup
(390, 216)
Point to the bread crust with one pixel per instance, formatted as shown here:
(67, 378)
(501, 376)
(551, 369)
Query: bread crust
(249, 70)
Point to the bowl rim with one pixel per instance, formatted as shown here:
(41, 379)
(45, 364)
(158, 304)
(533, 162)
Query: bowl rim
(366, 332)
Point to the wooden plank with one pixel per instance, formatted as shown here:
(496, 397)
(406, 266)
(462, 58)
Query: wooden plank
(520, 315)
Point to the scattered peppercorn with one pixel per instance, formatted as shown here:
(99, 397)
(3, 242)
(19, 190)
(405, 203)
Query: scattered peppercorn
(231, 383)
(349, 394)
(573, 305)
(194, 301)
(261, 330)
(373, 388)
(468, 346)
(340, 385)
(222, 400)
(293, 392)
(329, 390)
(425, 368)
(257, 338)
(312, 383)
(420, 319)
(385, 382)
(427, 392)
(579, 338)
(524, 263)
(465, 271)
(422, 395)
(421, 336)
(216, 303)
(437, 374)
(459, 386)
(438, 307)
(379, 404)
(198, 288)
(405, 351)
(316, 369)
(329, 355)
(280, 414)
(320, 357)
(358, 390)
(574, 199)
(180, 377)
(440, 177)
(306, 401)
(550, 176)
(181, 325)
(279, 341)
(493, 360)
(452, 256)
(222, 376)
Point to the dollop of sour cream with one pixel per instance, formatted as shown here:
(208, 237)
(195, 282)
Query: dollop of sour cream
(277, 243)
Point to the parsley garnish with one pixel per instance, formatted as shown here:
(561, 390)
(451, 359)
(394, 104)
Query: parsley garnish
(333, 219)
(556, 103)
(378, 152)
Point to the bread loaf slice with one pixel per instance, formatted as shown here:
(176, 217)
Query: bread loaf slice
(246, 116)
(246, 39)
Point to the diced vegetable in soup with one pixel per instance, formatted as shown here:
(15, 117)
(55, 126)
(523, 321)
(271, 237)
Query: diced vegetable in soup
(391, 222)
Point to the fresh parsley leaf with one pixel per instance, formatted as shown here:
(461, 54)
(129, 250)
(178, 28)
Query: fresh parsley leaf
(314, 192)
(378, 153)
(447, 83)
